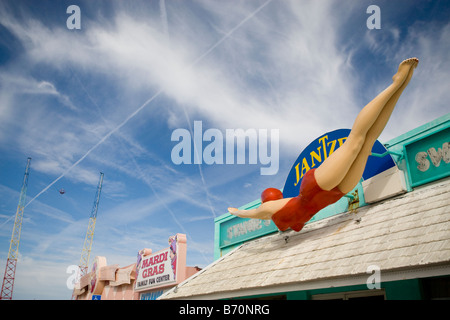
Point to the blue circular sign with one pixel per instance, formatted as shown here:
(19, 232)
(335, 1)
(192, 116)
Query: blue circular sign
(320, 149)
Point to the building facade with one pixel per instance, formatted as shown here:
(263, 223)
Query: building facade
(146, 279)
(389, 238)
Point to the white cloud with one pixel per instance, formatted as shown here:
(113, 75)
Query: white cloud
(41, 279)
(283, 68)
(304, 74)
(288, 67)
(427, 95)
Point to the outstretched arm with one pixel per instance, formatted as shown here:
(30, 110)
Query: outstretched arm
(265, 211)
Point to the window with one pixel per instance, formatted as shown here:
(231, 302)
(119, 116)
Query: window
(436, 288)
(352, 295)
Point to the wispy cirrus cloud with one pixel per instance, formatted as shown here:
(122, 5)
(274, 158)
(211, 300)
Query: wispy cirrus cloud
(300, 72)
(283, 68)
(106, 98)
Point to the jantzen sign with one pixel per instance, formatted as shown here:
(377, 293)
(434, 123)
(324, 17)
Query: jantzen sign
(320, 149)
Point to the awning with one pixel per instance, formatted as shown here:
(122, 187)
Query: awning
(108, 273)
(124, 275)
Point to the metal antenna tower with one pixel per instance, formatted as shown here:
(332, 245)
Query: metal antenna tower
(84, 261)
(10, 270)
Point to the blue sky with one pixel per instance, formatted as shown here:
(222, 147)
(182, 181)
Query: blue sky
(108, 96)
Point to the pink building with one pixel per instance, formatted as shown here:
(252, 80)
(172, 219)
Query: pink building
(146, 279)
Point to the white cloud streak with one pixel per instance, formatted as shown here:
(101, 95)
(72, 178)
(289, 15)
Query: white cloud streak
(133, 114)
(286, 68)
(238, 64)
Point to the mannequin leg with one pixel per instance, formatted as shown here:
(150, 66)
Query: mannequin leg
(345, 166)
(333, 171)
(356, 170)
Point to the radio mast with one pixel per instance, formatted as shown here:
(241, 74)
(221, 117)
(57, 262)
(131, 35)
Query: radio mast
(10, 270)
(84, 261)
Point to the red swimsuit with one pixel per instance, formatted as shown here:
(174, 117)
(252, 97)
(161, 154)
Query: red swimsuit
(302, 208)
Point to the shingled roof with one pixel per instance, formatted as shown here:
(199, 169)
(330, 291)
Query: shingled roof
(406, 237)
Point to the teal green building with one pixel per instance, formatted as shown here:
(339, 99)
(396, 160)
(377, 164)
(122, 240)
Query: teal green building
(387, 239)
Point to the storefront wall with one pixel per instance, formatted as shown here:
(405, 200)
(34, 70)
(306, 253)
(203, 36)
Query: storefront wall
(422, 156)
(147, 279)
(122, 292)
(434, 288)
(396, 290)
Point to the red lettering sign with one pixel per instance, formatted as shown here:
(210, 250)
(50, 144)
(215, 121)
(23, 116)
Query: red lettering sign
(154, 265)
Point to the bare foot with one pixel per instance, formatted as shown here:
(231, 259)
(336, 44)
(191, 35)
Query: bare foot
(410, 73)
(403, 70)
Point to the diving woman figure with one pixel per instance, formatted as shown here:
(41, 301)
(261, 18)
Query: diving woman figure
(340, 172)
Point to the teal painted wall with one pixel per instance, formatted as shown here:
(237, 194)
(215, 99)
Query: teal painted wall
(395, 290)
